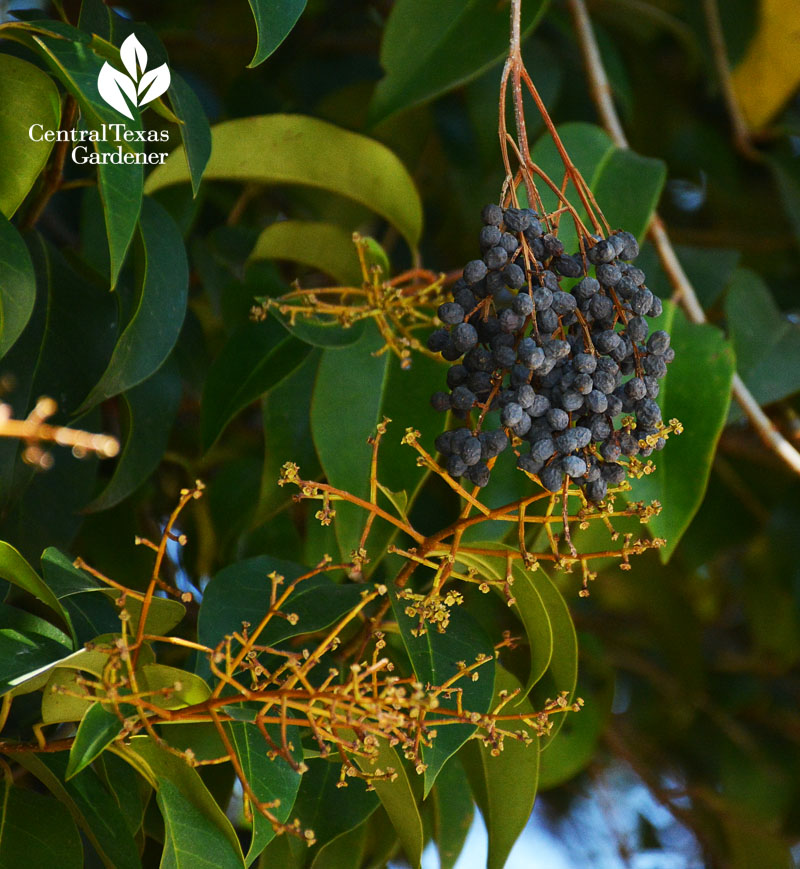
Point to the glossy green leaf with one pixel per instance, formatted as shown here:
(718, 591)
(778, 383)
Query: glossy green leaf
(766, 342)
(99, 727)
(150, 410)
(16, 570)
(325, 247)
(355, 378)
(274, 22)
(190, 841)
(701, 404)
(195, 131)
(626, 185)
(453, 810)
(293, 149)
(120, 186)
(21, 620)
(155, 323)
(431, 48)
(628, 188)
(197, 831)
(400, 798)
(318, 792)
(26, 841)
(241, 593)
(270, 779)
(528, 604)
(129, 790)
(81, 325)
(91, 806)
(371, 387)
(256, 357)
(27, 97)
(505, 786)
(344, 851)
(435, 658)
(24, 654)
(286, 411)
(17, 281)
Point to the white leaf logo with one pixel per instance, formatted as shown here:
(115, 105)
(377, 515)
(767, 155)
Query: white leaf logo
(139, 86)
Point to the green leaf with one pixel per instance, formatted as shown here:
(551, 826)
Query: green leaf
(270, 779)
(505, 786)
(628, 188)
(27, 97)
(453, 810)
(197, 831)
(99, 727)
(16, 570)
(318, 792)
(26, 841)
(431, 48)
(701, 404)
(17, 278)
(435, 658)
(325, 247)
(286, 412)
(91, 806)
(256, 357)
(344, 851)
(195, 132)
(370, 387)
(766, 342)
(190, 842)
(274, 22)
(528, 604)
(400, 797)
(24, 654)
(149, 410)
(120, 186)
(626, 185)
(241, 593)
(293, 149)
(156, 321)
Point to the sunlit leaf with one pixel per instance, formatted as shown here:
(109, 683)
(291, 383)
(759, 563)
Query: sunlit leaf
(293, 149)
(28, 98)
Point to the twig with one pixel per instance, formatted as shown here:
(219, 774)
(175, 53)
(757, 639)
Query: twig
(741, 134)
(684, 291)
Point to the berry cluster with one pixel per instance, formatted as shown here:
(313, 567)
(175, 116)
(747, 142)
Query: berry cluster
(560, 366)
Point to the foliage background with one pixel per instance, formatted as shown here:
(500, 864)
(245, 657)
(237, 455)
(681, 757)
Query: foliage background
(690, 668)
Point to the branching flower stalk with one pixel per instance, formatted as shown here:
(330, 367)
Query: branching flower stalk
(35, 432)
(399, 306)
